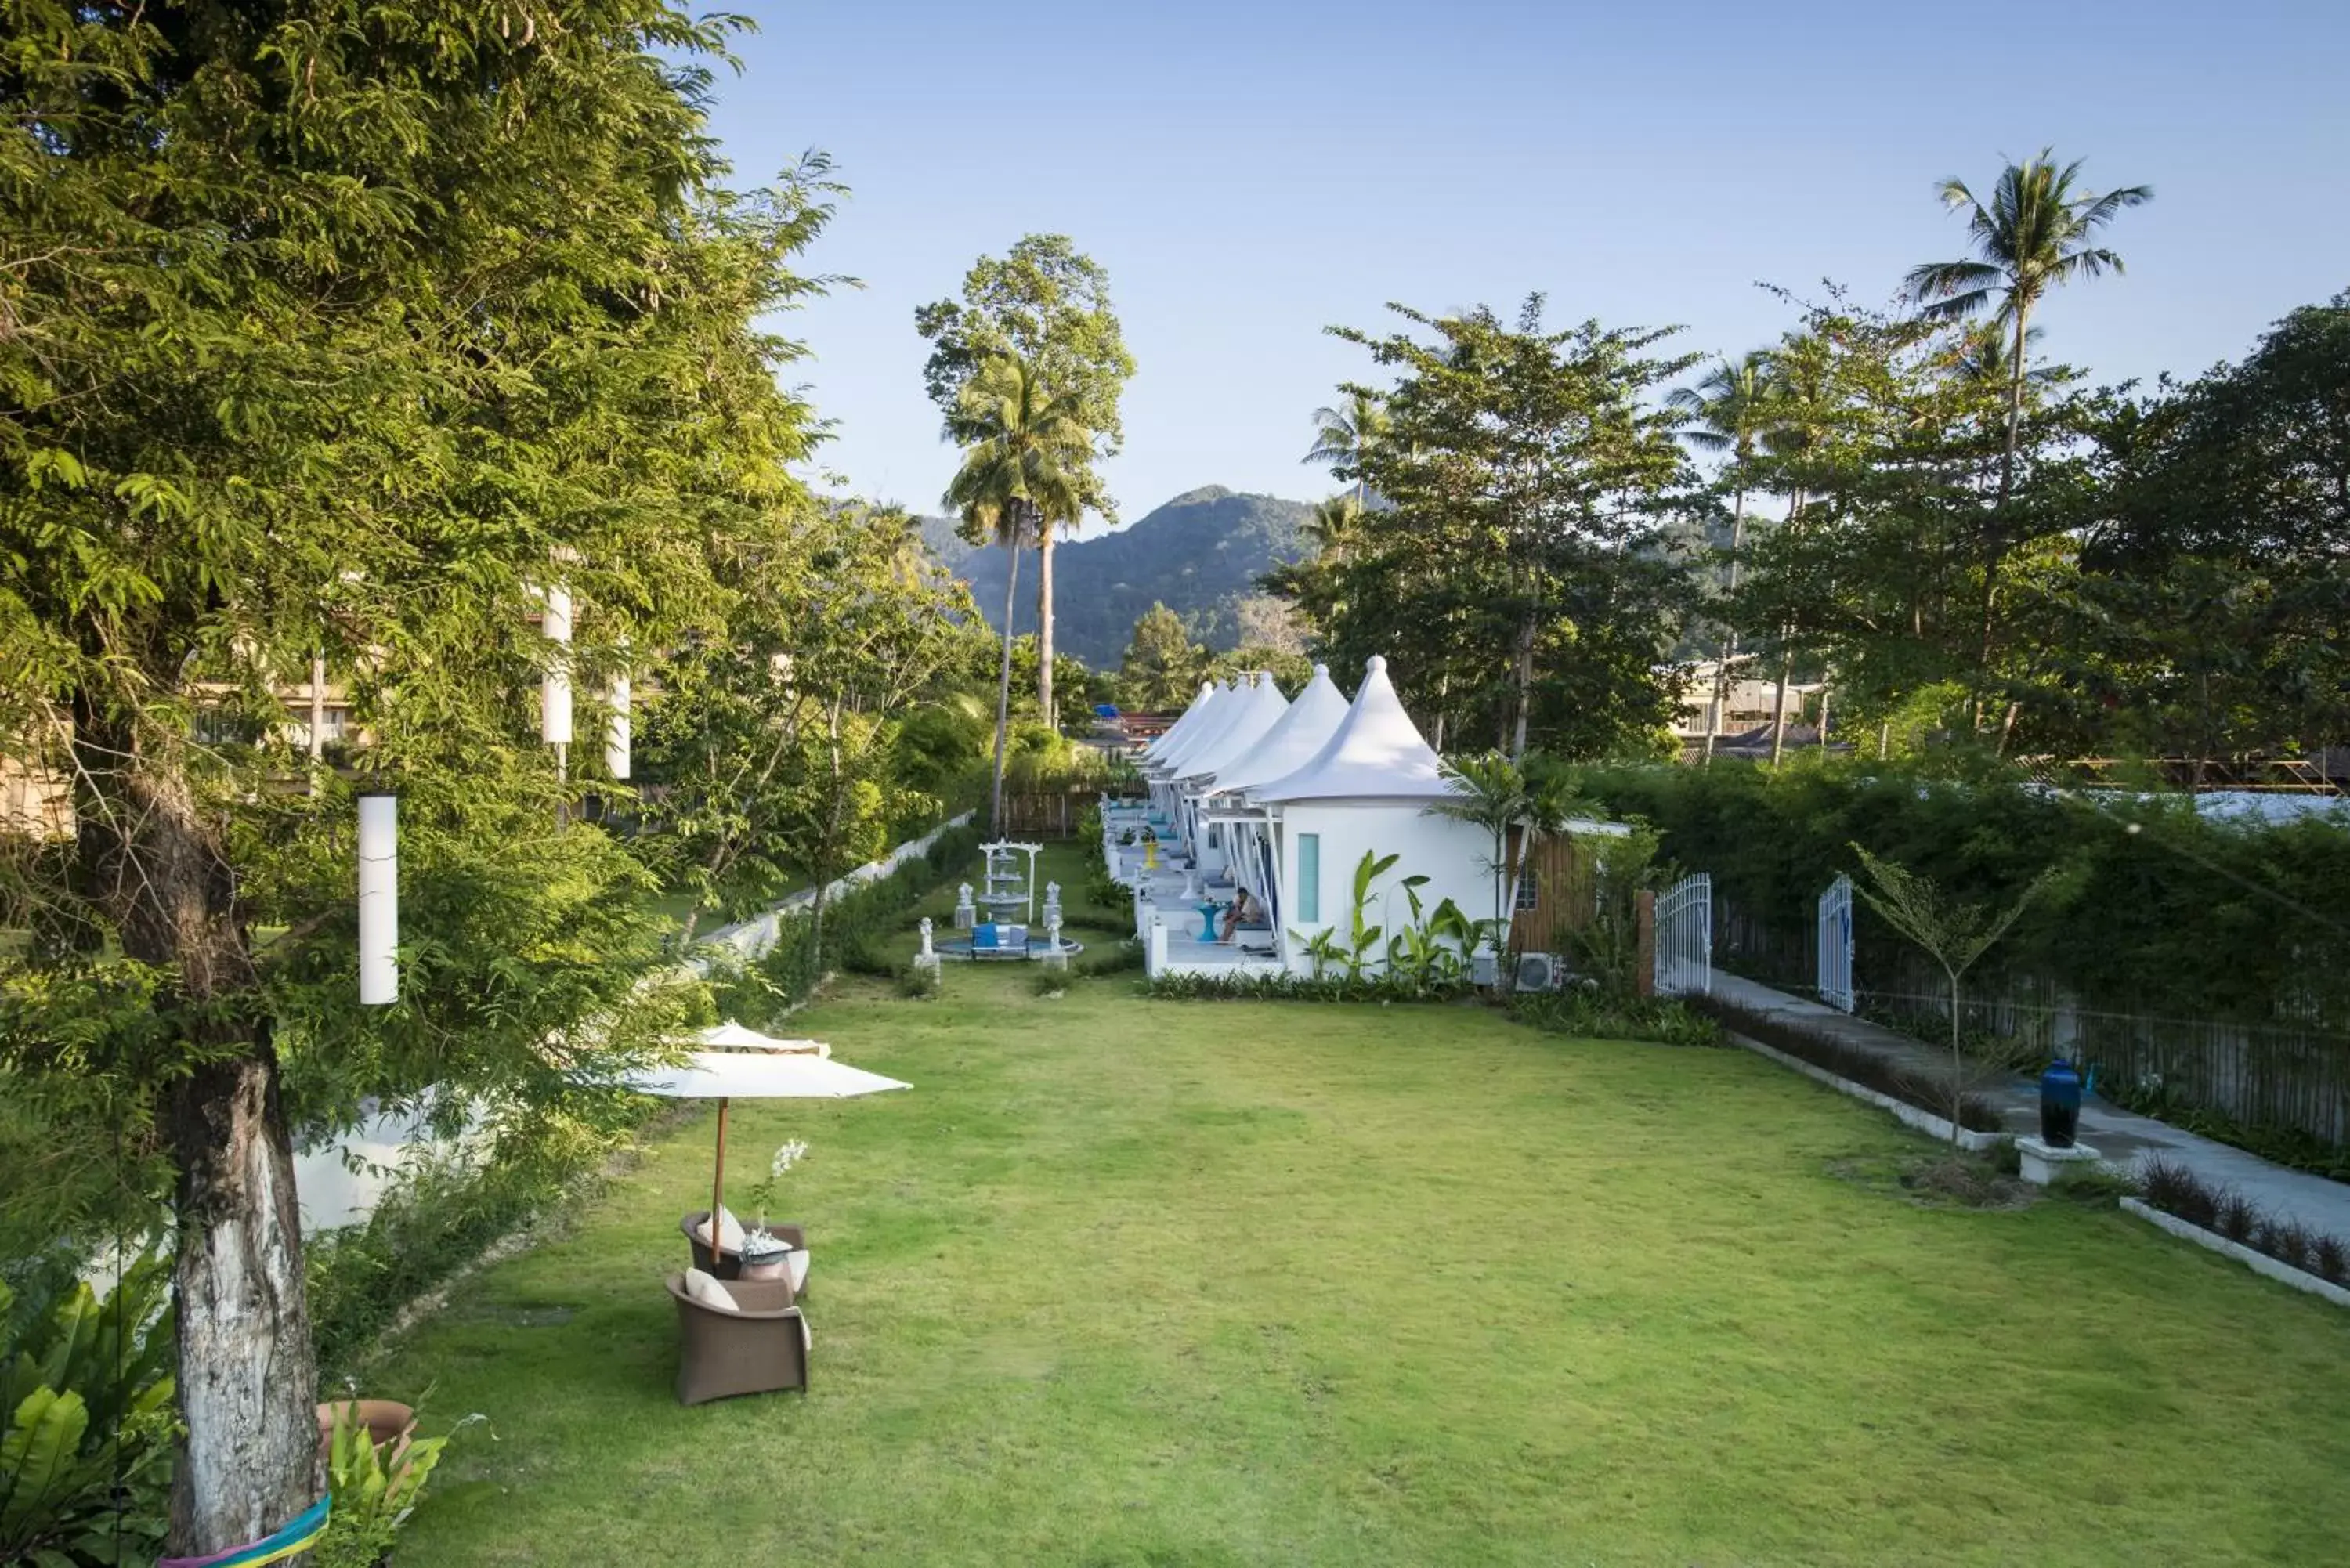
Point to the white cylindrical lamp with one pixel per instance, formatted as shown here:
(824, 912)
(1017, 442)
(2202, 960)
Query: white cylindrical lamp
(617, 730)
(555, 686)
(379, 858)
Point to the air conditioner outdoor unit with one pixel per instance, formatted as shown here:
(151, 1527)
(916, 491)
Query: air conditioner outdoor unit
(1540, 971)
(1480, 970)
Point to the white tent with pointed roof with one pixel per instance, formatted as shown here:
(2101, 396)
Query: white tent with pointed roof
(1255, 708)
(1365, 794)
(1183, 723)
(1243, 835)
(1303, 726)
(1375, 753)
(1204, 715)
(1215, 711)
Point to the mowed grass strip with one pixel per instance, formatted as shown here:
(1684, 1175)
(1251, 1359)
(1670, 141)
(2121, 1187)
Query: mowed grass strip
(1124, 1282)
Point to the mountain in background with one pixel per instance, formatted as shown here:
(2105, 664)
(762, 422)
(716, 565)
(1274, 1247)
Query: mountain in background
(1200, 555)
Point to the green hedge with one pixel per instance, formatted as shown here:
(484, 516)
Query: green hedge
(2184, 917)
(858, 927)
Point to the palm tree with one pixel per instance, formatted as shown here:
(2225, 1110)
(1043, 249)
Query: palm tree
(1489, 792)
(1347, 434)
(2037, 232)
(1732, 411)
(1023, 469)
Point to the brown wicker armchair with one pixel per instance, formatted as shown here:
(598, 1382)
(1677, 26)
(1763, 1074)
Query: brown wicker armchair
(757, 1350)
(723, 1264)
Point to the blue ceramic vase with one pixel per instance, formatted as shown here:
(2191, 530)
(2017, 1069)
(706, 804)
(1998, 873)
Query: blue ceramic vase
(2060, 1105)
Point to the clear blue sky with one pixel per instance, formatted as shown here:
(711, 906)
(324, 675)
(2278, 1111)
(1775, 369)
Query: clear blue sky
(1249, 173)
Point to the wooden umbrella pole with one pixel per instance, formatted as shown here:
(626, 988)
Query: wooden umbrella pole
(718, 1189)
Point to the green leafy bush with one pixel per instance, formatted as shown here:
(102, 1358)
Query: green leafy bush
(85, 1457)
(1603, 1016)
(2183, 948)
(443, 1211)
(1871, 1070)
(858, 927)
(375, 1489)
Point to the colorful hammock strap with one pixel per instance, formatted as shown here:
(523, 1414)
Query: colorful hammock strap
(298, 1536)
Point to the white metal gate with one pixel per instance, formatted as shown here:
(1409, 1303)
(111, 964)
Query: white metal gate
(1685, 937)
(1835, 944)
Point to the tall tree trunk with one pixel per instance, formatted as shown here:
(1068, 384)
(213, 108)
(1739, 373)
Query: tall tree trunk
(1525, 675)
(1995, 542)
(1727, 655)
(1003, 689)
(1045, 626)
(318, 717)
(247, 1375)
(1779, 709)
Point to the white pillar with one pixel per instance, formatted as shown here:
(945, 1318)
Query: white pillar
(379, 858)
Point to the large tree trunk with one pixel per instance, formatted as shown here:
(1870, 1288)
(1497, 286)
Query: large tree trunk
(1045, 626)
(248, 1377)
(1004, 689)
(247, 1372)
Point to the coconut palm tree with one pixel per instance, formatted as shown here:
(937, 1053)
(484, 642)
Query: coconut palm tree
(1489, 792)
(1345, 435)
(1023, 469)
(2035, 233)
(2038, 231)
(1733, 410)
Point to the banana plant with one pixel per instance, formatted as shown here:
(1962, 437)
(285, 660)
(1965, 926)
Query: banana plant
(375, 1488)
(1363, 937)
(85, 1456)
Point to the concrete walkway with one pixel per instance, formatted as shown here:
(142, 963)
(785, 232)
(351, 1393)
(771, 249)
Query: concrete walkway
(2123, 1138)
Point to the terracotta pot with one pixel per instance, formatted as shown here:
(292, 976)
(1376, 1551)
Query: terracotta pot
(387, 1420)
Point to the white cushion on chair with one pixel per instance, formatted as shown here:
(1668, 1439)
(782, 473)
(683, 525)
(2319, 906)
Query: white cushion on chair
(796, 1260)
(705, 1289)
(730, 1232)
(808, 1336)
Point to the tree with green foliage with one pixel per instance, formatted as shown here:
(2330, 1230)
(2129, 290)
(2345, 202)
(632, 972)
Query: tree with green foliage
(348, 326)
(1345, 436)
(1026, 465)
(1162, 664)
(1952, 931)
(1731, 411)
(1046, 303)
(2208, 615)
(772, 740)
(2038, 231)
(1514, 578)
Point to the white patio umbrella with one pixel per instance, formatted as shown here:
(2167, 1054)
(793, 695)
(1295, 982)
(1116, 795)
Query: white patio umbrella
(733, 1036)
(728, 1076)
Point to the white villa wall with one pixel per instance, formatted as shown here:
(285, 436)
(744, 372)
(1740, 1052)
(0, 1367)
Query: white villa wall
(1451, 855)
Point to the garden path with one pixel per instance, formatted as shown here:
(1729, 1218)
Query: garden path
(2123, 1138)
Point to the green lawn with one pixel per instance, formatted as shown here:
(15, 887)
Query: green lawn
(1125, 1281)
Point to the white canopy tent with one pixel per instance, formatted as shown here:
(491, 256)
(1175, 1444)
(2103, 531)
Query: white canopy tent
(1305, 725)
(1210, 716)
(1367, 791)
(1254, 710)
(1182, 726)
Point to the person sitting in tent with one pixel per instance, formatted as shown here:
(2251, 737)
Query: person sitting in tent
(1241, 912)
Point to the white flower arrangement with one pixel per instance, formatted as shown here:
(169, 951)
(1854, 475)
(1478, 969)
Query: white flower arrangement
(764, 1191)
